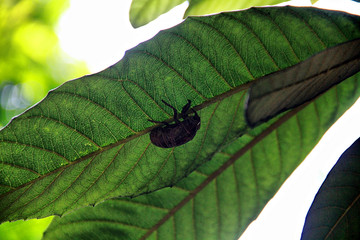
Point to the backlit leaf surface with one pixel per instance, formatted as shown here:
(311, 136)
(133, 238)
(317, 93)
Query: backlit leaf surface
(88, 140)
(220, 198)
(202, 7)
(144, 11)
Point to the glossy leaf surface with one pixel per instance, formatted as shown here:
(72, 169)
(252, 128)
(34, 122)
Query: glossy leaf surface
(88, 140)
(334, 214)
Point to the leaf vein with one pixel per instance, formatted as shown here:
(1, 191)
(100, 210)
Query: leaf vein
(20, 167)
(230, 43)
(207, 59)
(67, 188)
(257, 38)
(280, 30)
(96, 104)
(172, 69)
(101, 174)
(38, 196)
(36, 147)
(308, 25)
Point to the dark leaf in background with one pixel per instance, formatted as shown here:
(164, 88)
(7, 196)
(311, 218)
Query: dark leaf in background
(335, 212)
(283, 90)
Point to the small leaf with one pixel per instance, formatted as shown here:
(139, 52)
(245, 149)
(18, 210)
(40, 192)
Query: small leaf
(144, 11)
(334, 213)
(291, 87)
(203, 7)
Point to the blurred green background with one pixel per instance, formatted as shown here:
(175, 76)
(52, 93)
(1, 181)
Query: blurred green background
(31, 63)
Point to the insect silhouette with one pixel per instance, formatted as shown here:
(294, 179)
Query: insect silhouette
(178, 133)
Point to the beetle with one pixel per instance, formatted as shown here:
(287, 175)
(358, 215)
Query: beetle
(178, 133)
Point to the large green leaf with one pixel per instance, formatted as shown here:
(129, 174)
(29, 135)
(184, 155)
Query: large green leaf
(88, 139)
(220, 198)
(334, 214)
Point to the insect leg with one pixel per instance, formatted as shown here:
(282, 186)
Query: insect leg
(185, 109)
(175, 111)
(196, 114)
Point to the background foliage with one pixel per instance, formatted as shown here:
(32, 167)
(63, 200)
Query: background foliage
(31, 63)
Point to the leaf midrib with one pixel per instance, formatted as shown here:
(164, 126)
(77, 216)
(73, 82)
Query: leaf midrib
(138, 134)
(223, 167)
(342, 216)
